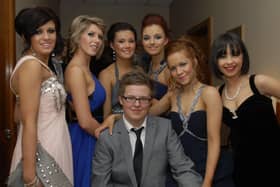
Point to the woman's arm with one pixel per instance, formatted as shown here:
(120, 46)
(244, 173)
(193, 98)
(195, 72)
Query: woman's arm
(160, 106)
(268, 86)
(76, 83)
(29, 84)
(105, 77)
(213, 105)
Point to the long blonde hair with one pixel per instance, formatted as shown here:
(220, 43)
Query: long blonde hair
(78, 26)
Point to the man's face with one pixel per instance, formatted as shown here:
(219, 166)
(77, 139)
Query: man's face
(136, 103)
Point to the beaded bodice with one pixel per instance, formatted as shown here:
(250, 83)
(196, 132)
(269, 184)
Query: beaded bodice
(56, 90)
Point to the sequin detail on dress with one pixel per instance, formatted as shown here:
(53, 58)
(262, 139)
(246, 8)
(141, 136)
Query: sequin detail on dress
(51, 85)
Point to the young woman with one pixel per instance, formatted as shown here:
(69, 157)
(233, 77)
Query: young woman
(155, 36)
(43, 154)
(248, 111)
(122, 40)
(85, 93)
(195, 112)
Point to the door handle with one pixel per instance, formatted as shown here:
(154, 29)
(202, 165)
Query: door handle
(8, 134)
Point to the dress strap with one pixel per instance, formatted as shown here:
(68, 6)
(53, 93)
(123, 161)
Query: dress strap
(221, 88)
(253, 85)
(155, 74)
(117, 72)
(185, 118)
(20, 62)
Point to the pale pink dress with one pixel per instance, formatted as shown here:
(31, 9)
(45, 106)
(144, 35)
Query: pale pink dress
(53, 132)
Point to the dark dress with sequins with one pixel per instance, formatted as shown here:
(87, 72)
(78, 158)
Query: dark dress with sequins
(255, 139)
(194, 141)
(160, 88)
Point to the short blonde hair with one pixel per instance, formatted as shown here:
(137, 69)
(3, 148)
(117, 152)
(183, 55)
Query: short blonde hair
(78, 26)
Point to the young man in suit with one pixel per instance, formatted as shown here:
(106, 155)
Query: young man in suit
(127, 159)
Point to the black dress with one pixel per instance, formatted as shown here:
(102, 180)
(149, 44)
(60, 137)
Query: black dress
(255, 139)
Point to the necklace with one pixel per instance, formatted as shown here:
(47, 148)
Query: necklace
(155, 73)
(234, 115)
(234, 96)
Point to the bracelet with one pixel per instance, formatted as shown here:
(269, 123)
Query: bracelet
(33, 183)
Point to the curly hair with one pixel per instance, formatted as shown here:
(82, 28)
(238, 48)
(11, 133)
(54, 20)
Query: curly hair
(187, 44)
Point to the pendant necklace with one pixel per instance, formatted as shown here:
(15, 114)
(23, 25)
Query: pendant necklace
(234, 115)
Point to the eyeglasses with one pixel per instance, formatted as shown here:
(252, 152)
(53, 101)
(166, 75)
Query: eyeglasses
(142, 100)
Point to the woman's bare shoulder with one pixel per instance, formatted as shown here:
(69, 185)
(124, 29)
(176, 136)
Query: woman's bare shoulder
(108, 72)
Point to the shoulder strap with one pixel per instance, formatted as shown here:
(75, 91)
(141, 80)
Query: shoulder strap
(117, 72)
(253, 85)
(221, 88)
(185, 119)
(20, 62)
(194, 102)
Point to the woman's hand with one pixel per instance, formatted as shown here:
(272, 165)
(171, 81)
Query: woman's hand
(107, 123)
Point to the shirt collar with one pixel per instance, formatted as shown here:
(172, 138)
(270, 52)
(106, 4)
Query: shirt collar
(128, 125)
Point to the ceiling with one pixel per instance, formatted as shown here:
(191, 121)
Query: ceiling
(162, 3)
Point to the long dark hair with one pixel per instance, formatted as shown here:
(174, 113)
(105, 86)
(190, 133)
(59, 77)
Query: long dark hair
(28, 20)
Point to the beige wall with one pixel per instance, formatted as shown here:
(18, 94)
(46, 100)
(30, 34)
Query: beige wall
(68, 9)
(132, 14)
(261, 20)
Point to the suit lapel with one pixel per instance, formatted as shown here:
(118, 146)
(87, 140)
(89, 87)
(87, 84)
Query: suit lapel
(149, 144)
(126, 149)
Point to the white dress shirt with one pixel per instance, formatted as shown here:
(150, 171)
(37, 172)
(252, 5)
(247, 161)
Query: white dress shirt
(132, 135)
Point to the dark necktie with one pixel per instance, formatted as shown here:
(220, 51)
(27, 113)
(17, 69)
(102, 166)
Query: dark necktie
(138, 155)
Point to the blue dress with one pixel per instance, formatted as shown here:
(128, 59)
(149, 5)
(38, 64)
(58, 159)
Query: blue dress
(160, 89)
(83, 144)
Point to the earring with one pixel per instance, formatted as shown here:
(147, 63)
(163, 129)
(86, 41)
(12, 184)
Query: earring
(33, 52)
(114, 56)
(53, 54)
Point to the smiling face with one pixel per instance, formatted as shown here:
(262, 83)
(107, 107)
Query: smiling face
(91, 40)
(230, 63)
(181, 67)
(154, 39)
(136, 110)
(124, 44)
(44, 39)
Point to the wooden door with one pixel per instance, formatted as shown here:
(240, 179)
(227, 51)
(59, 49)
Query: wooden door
(201, 33)
(239, 30)
(278, 111)
(7, 60)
